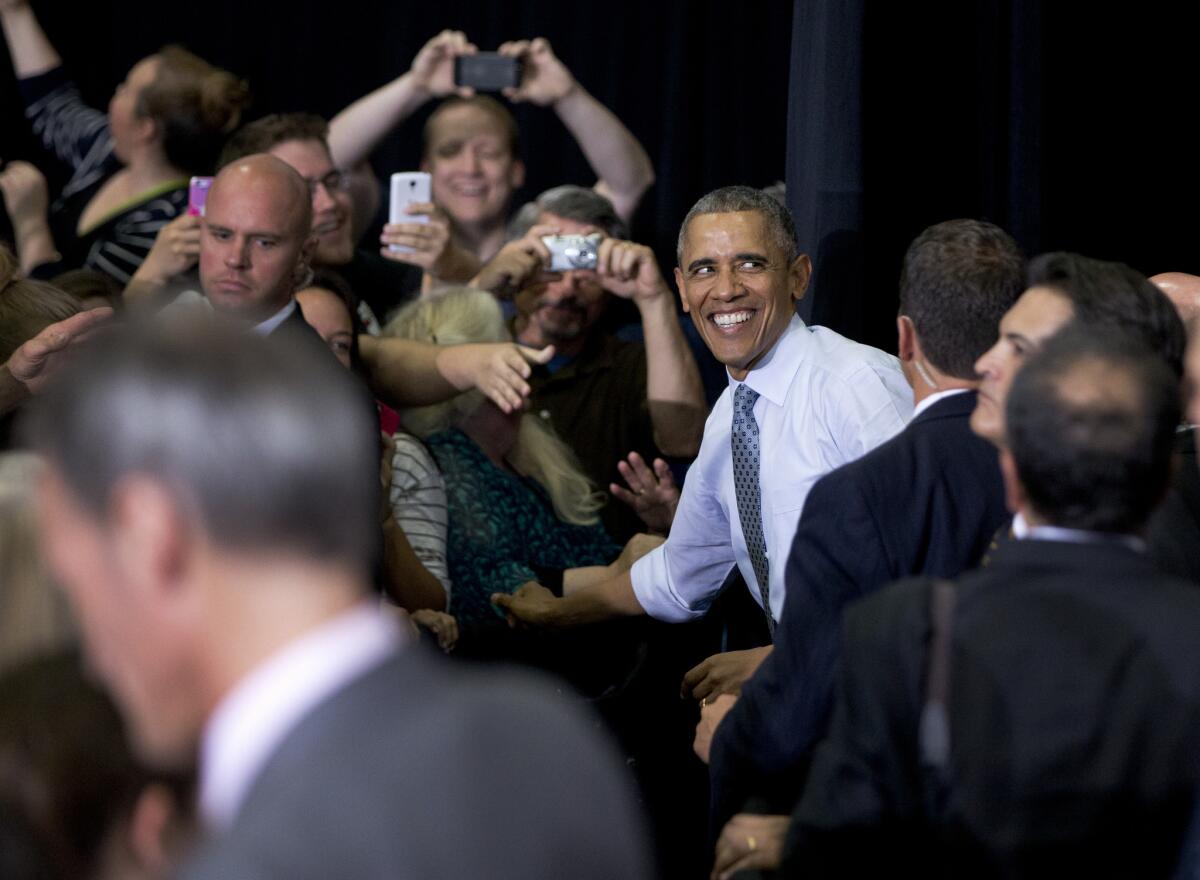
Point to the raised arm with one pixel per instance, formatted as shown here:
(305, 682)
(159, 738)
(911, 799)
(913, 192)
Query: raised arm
(356, 131)
(28, 46)
(619, 160)
(673, 389)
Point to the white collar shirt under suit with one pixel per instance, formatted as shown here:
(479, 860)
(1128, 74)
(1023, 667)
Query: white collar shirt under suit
(824, 400)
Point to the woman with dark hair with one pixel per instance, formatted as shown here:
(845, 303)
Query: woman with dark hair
(130, 168)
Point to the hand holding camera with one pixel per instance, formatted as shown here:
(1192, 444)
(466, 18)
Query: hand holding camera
(433, 70)
(544, 79)
(517, 264)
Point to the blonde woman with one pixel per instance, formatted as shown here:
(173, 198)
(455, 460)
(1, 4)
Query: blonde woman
(520, 510)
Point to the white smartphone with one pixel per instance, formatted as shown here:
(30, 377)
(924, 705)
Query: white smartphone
(408, 187)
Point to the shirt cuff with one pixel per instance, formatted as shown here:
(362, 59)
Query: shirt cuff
(652, 587)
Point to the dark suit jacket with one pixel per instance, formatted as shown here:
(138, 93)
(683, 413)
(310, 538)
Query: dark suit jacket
(926, 502)
(1173, 534)
(425, 769)
(1074, 708)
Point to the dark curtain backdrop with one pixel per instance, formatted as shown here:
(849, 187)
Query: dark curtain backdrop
(703, 88)
(1068, 124)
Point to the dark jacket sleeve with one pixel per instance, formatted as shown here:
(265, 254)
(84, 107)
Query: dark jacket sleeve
(762, 746)
(862, 804)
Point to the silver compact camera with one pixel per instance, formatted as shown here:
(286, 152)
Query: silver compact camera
(572, 251)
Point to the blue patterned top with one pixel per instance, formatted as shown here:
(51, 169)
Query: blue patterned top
(501, 525)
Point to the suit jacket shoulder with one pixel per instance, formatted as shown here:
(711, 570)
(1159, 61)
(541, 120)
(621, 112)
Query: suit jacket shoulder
(420, 770)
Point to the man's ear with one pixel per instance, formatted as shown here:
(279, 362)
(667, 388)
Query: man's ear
(1014, 491)
(907, 347)
(151, 534)
(679, 287)
(801, 273)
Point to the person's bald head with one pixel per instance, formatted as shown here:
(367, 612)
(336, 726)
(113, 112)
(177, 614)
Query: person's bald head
(256, 240)
(1183, 290)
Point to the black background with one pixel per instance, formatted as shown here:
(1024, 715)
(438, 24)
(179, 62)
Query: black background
(1104, 104)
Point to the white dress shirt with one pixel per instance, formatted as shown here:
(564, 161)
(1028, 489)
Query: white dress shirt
(265, 328)
(254, 717)
(824, 400)
(934, 398)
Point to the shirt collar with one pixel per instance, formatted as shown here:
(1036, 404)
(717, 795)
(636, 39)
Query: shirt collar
(255, 716)
(1023, 531)
(772, 376)
(272, 323)
(934, 398)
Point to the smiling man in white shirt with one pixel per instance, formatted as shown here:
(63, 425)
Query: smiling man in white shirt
(801, 402)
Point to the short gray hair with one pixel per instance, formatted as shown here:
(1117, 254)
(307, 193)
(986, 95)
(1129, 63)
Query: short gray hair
(269, 443)
(731, 199)
(571, 202)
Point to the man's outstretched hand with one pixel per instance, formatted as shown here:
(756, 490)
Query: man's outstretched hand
(531, 604)
(498, 369)
(35, 362)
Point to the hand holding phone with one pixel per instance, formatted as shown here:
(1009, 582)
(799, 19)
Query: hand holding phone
(198, 188)
(408, 187)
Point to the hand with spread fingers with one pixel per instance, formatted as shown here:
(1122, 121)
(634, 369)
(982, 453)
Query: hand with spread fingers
(498, 369)
(652, 494)
(750, 842)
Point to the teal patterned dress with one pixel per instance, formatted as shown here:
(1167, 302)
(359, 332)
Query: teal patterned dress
(502, 526)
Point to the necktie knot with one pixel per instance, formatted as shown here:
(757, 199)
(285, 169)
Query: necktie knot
(744, 398)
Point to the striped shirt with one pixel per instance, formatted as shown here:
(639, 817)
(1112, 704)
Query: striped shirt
(418, 499)
(78, 136)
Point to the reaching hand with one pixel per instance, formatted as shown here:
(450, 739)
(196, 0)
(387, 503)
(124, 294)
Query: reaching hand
(498, 369)
(176, 249)
(442, 625)
(34, 363)
(750, 842)
(544, 79)
(25, 195)
(722, 673)
(517, 264)
(712, 712)
(433, 68)
(531, 603)
(630, 271)
(653, 495)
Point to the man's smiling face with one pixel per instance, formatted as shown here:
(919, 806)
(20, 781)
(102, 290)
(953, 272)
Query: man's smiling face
(737, 284)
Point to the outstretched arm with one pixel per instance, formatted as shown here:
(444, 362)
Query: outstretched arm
(356, 131)
(404, 373)
(28, 45)
(619, 160)
(533, 604)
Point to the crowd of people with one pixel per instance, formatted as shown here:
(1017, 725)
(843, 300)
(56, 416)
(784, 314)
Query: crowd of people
(323, 556)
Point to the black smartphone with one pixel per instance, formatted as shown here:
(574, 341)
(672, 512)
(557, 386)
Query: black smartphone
(487, 71)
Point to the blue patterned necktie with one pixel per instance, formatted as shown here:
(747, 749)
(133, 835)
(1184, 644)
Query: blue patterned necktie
(746, 487)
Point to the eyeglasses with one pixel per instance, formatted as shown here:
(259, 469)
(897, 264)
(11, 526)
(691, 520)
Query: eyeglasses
(334, 181)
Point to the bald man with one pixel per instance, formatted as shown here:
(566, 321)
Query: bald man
(1183, 290)
(255, 243)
